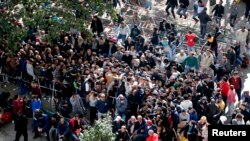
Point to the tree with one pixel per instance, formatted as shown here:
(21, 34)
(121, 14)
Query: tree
(101, 131)
(18, 17)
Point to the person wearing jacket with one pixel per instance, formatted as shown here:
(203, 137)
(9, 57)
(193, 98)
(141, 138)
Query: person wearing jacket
(41, 124)
(75, 125)
(235, 80)
(36, 104)
(207, 59)
(218, 11)
(122, 134)
(204, 19)
(77, 104)
(62, 129)
(121, 106)
(171, 4)
(231, 99)
(224, 88)
(190, 131)
(213, 112)
(152, 136)
(182, 11)
(96, 25)
(102, 106)
(192, 114)
(21, 123)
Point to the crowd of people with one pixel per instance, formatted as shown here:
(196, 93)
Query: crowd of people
(155, 89)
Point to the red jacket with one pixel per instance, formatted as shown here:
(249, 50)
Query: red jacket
(224, 88)
(152, 138)
(17, 106)
(190, 39)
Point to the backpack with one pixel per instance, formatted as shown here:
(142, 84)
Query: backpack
(7, 117)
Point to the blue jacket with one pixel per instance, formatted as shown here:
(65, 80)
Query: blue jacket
(63, 129)
(121, 107)
(42, 123)
(36, 104)
(193, 116)
(102, 106)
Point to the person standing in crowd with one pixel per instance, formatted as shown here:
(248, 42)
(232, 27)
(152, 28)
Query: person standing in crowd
(182, 11)
(121, 106)
(123, 31)
(96, 25)
(241, 38)
(122, 134)
(234, 10)
(207, 59)
(224, 88)
(36, 103)
(231, 99)
(191, 63)
(77, 104)
(92, 99)
(204, 19)
(191, 39)
(218, 11)
(17, 105)
(36, 90)
(171, 4)
(203, 128)
(21, 123)
(190, 131)
(102, 106)
(235, 80)
(213, 112)
(212, 42)
(152, 136)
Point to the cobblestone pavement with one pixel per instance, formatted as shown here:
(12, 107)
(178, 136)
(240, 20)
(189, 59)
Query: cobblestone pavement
(7, 132)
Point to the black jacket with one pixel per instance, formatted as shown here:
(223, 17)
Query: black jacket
(97, 26)
(21, 123)
(204, 18)
(191, 134)
(172, 3)
(185, 3)
(218, 10)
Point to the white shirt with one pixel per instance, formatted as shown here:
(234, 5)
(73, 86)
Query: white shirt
(124, 30)
(185, 104)
(179, 58)
(241, 36)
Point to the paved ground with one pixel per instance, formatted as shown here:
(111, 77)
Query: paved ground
(7, 131)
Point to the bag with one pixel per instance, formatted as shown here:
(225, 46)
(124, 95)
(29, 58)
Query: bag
(7, 117)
